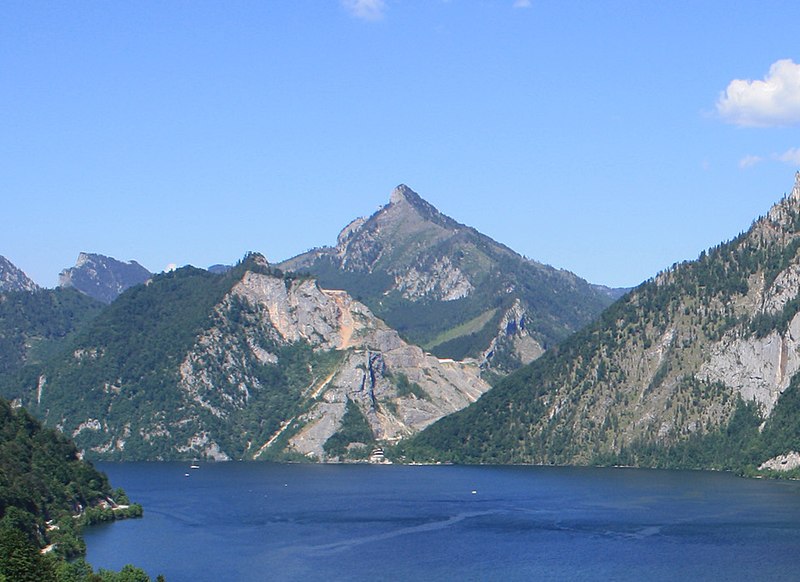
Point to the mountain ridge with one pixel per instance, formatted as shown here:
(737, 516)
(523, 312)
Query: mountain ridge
(429, 276)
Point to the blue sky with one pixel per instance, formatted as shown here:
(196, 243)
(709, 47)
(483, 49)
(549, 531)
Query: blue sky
(608, 138)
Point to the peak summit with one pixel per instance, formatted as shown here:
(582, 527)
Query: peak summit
(404, 198)
(102, 277)
(402, 194)
(796, 189)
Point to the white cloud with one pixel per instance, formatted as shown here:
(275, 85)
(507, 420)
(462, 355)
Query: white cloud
(522, 3)
(790, 156)
(171, 267)
(750, 161)
(365, 9)
(772, 102)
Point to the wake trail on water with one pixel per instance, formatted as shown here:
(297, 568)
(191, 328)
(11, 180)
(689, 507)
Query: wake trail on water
(336, 547)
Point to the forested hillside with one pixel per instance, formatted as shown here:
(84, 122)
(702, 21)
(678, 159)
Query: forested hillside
(697, 367)
(47, 494)
(35, 325)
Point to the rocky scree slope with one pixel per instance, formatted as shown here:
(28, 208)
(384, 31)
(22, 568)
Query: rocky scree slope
(697, 367)
(245, 365)
(450, 289)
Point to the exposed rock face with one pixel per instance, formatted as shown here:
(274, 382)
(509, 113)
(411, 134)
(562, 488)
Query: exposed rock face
(373, 358)
(103, 278)
(757, 368)
(408, 262)
(13, 279)
(275, 363)
(514, 339)
(782, 463)
(443, 280)
(219, 269)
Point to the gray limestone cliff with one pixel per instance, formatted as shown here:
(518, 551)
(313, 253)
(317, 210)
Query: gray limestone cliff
(372, 357)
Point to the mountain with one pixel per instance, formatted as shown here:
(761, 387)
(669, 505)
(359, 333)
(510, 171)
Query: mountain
(13, 279)
(697, 367)
(450, 289)
(103, 278)
(253, 363)
(36, 324)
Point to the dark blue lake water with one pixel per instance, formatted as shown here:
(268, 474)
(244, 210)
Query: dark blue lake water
(259, 521)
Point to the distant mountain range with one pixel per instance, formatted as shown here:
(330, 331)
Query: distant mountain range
(103, 278)
(253, 361)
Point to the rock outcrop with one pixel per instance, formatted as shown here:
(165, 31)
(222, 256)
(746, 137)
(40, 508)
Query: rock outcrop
(513, 340)
(782, 463)
(13, 279)
(373, 358)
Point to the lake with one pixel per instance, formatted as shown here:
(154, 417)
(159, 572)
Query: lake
(263, 521)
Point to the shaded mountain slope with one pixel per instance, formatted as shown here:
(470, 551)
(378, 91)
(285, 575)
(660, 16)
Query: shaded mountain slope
(46, 491)
(101, 277)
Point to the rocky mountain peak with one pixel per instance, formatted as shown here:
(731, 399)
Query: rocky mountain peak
(13, 279)
(84, 258)
(403, 199)
(101, 277)
(427, 263)
(796, 189)
(403, 194)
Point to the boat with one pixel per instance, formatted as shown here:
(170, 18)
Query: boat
(194, 465)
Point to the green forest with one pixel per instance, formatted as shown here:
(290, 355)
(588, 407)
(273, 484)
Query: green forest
(47, 496)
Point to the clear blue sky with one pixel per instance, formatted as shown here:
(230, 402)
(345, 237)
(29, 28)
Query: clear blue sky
(608, 138)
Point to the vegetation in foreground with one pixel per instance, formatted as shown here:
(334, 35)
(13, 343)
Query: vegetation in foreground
(47, 495)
